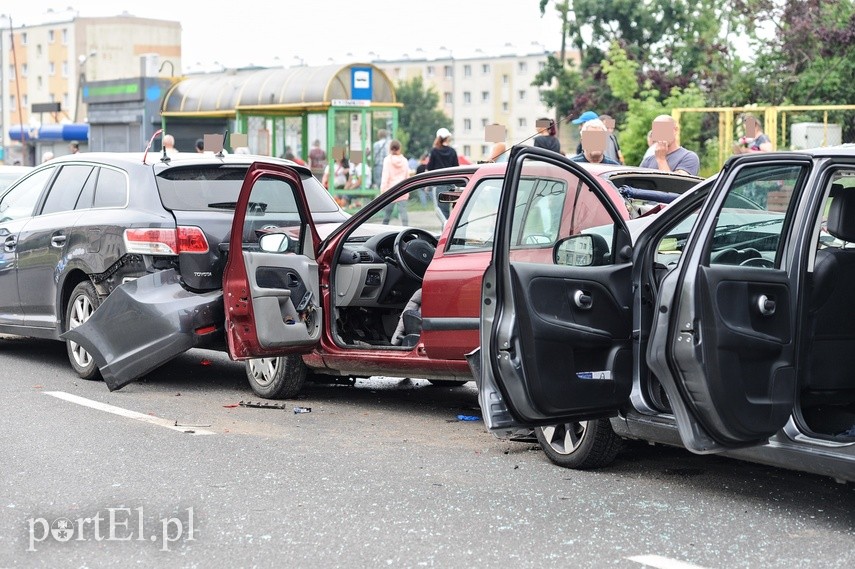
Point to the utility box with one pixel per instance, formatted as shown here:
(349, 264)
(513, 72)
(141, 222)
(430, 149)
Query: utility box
(814, 134)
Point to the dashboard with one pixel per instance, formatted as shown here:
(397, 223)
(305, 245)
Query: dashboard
(367, 273)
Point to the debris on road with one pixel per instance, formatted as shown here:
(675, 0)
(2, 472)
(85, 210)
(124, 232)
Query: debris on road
(298, 410)
(262, 404)
(468, 418)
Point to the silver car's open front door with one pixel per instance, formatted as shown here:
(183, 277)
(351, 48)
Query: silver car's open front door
(723, 343)
(271, 290)
(556, 312)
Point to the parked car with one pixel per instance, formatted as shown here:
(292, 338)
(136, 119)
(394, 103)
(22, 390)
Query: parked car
(297, 303)
(724, 324)
(9, 174)
(77, 228)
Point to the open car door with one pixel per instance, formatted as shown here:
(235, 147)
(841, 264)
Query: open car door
(723, 341)
(556, 312)
(271, 289)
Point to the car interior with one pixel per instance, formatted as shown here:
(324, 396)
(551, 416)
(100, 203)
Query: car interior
(749, 232)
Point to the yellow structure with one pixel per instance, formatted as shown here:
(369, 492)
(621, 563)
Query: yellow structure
(775, 120)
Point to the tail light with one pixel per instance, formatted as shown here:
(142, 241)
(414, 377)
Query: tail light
(164, 241)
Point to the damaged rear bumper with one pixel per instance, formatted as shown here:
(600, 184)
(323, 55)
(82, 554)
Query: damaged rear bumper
(147, 322)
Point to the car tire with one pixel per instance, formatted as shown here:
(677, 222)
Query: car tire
(276, 378)
(447, 382)
(580, 445)
(82, 303)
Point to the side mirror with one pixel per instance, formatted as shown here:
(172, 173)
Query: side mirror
(574, 251)
(449, 197)
(274, 243)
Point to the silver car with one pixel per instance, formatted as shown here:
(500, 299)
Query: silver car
(725, 324)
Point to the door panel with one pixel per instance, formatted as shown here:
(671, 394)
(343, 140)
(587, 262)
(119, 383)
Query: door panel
(263, 316)
(556, 321)
(723, 346)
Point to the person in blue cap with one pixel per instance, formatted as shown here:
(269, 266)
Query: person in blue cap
(582, 119)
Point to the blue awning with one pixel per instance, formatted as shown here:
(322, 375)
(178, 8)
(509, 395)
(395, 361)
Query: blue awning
(71, 131)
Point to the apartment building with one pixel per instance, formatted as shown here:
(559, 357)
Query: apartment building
(52, 61)
(479, 89)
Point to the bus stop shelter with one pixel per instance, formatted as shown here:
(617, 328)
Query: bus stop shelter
(280, 109)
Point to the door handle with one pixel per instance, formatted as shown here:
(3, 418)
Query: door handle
(766, 305)
(10, 243)
(583, 299)
(58, 240)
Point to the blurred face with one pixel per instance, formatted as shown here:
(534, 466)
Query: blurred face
(594, 144)
(664, 130)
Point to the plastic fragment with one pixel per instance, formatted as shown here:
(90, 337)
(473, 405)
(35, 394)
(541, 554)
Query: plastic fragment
(298, 410)
(261, 404)
(468, 418)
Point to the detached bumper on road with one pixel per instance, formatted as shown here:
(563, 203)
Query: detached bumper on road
(145, 323)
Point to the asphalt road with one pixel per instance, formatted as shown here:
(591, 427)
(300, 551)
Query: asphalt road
(380, 474)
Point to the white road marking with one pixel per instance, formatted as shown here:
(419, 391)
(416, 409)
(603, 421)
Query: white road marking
(660, 562)
(126, 413)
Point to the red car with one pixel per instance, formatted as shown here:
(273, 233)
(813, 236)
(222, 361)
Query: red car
(344, 304)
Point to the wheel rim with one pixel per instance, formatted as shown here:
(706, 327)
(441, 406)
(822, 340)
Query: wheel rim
(263, 370)
(81, 311)
(566, 437)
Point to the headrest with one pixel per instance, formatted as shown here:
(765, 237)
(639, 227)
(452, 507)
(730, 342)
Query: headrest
(841, 215)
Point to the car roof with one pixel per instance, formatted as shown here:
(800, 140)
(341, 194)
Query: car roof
(135, 159)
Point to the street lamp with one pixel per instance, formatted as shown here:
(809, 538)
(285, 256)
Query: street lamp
(81, 80)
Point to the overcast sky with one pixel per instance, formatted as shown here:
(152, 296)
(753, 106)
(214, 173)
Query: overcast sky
(243, 32)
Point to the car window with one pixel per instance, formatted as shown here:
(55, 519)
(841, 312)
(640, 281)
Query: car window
(553, 204)
(477, 221)
(20, 201)
(273, 209)
(753, 218)
(213, 187)
(87, 195)
(66, 188)
(416, 209)
(111, 189)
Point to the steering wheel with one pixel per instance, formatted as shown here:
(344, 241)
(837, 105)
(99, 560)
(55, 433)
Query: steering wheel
(758, 262)
(414, 249)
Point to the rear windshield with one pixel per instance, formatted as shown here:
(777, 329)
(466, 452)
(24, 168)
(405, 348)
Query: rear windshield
(217, 187)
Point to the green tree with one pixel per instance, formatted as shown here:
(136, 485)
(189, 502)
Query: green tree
(420, 117)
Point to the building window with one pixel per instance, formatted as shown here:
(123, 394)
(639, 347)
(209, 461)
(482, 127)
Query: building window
(485, 68)
(522, 66)
(541, 65)
(51, 68)
(52, 97)
(24, 69)
(64, 36)
(467, 97)
(505, 79)
(448, 98)
(522, 122)
(12, 101)
(65, 100)
(24, 38)
(485, 150)
(11, 73)
(485, 96)
(26, 100)
(483, 122)
(51, 36)
(39, 50)
(449, 72)
(467, 125)
(467, 70)
(467, 150)
(521, 95)
(505, 106)
(39, 81)
(430, 71)
(65, 69)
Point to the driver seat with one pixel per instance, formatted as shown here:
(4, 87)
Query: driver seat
(831, 357)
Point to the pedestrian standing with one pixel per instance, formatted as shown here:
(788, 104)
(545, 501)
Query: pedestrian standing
(379, 151)
(442, 155)
(396, 169)
(548, 137)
